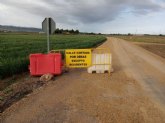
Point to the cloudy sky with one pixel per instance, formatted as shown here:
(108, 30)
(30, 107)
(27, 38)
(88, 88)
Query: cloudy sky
(105, 16)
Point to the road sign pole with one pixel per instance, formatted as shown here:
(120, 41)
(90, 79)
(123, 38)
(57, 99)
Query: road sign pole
(48, 42)
(48, 26)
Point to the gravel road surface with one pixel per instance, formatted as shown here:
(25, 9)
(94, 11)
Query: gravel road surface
(134, 93)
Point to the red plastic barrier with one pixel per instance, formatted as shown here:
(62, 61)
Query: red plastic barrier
(45, 63)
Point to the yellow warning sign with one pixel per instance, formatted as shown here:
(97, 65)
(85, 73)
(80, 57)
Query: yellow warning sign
(78, 58)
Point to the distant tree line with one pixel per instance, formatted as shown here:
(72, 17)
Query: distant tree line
(91, 33)
(154, 35)
(66, 31)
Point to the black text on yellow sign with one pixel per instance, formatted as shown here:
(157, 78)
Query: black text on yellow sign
(78, 58)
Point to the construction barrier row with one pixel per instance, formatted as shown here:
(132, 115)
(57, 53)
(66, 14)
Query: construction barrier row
(95, 60)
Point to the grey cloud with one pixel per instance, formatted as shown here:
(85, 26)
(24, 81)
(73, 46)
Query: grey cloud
(107, 10)
(84, 11)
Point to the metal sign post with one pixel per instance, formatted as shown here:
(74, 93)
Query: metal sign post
(48, 42)
(48, 26)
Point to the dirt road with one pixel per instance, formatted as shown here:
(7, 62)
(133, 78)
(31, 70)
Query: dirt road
(143, 66)
(135, 92)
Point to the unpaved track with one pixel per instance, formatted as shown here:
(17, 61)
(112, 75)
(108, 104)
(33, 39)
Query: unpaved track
(133, 93)
(143, 66)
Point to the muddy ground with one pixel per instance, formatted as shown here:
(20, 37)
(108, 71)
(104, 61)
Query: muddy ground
(133, 93)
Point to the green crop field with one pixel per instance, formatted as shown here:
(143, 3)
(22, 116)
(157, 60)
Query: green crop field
(15, 48)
